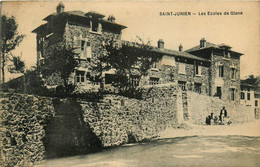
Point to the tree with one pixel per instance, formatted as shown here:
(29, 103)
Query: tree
(252, 80)
(128, 59)
(9, 40)
(61, 61)
(18, 65)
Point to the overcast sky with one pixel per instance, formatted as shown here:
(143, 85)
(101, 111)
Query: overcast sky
(242, 32)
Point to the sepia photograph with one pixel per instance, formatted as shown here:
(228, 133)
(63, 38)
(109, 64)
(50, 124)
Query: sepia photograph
(129, 83)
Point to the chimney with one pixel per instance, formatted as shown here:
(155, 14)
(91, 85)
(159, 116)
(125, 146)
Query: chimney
(60, 8)
(180, 48)
(111, 18)
(160, 44)
(202, 43)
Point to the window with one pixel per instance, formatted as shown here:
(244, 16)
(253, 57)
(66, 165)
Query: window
(248, 96)
(232, 94)
(109, 78)
(242, 95)
(182, 85)
(256, 103)
(197, 87)
(182, 68)
(80, 76)
(82, 45)
(233, 73)
(155, 65)
(221, 71)
(135, 80)
(197, 69)
(153, 81)
(227, 55)
(94, 26)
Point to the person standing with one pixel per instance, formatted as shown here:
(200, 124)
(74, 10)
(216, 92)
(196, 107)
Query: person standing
(223, 114)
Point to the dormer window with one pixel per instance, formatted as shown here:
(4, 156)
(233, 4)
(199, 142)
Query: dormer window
(197, 69)
(95, 26)
(227, 55)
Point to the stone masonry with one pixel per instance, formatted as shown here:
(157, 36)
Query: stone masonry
(34, 128)
(200, 106)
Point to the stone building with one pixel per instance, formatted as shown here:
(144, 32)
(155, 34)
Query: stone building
(247, 94)
(257, 96)
(224, 71)
(86, 31)
(209, 69)
(250, 94)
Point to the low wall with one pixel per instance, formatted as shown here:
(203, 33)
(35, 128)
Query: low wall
(200, 106)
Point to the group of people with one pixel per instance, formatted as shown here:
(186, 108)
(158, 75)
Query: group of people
(222, 119)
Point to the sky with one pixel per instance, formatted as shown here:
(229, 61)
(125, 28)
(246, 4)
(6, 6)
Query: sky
(241, 32)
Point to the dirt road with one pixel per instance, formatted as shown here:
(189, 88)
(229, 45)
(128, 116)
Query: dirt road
(246, 129)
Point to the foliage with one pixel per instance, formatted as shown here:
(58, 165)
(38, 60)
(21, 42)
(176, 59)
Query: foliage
(252, 80)
(128, 59)
(18, 65)
(10, 40)
(29, 83)
(61, 61)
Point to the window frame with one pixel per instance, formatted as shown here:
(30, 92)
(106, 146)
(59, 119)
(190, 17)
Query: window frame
(80, 76)
(248, 96)
(197, 69)
(221, 71)
(182, 85)
(154, 81)
(233, 73)
(242, 95)
(232, 94)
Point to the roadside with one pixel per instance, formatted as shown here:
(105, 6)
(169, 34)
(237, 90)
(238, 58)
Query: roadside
(246, 129)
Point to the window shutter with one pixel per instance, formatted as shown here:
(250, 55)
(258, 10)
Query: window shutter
(195, 68)
(88, 50)
(199, 70)
(77, 44)
(83, 50)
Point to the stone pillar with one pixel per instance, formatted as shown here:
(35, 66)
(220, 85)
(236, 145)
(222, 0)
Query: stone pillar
(179, 107)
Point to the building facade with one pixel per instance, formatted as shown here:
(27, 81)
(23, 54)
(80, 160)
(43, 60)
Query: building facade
(224, 71)
(209, 69)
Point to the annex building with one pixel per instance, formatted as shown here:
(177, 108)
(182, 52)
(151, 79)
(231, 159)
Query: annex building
(207, 68)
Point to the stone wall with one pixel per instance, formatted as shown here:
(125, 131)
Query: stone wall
(22, 122)
(117, 120)
(33, 128)
(200, 106)
(257, 113)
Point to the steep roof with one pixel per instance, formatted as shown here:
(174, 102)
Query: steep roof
(209, 45)
(40, 28)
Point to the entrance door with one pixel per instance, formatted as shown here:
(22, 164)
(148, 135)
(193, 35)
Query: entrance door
(219, 93)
